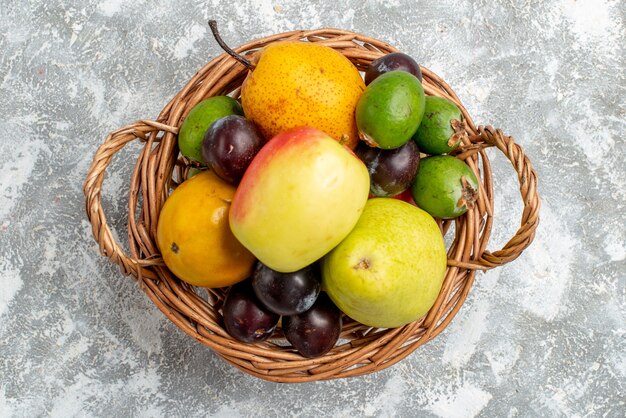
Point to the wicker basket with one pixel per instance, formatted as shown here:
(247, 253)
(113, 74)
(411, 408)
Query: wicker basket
(361, 349)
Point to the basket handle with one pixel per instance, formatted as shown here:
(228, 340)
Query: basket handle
(530, 197)
(92, 188)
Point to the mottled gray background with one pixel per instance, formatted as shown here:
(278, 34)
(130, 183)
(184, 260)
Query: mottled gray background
(543, 336)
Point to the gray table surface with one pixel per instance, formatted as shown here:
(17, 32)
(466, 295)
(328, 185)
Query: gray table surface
(542, 336)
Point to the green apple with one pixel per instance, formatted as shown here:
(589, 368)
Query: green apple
(389, 270)
(300, 196)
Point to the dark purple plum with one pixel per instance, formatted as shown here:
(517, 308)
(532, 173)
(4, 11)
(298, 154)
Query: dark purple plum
(229, 146)
(245, 317)
(287, 293)
(314, 332)
(392, 62)
(391, 171)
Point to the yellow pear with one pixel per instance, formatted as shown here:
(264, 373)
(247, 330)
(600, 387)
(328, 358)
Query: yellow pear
(293, 84)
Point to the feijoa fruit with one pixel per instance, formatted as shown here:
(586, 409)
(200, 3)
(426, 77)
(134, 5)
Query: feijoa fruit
(390, 110)
(445, 186)
(442, 127)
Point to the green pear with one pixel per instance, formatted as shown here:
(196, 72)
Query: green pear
(389, 270)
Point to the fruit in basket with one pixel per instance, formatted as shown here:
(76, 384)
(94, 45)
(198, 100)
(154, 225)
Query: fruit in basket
(391, 171)
(390, 110)
(314, 332)
(287, 293)
(303, 84)
(442, 127)
(194, 236)
(296, 369)
(292, 84)
(229, 146)
(199, 119)
(245, 317)
(301, 195)
(445, 186)
(396, 61)
(389, 270)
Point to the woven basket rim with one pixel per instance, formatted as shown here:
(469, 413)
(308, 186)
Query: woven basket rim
(362, 349)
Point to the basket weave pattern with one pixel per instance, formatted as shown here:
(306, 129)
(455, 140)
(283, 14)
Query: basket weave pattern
(361, 349)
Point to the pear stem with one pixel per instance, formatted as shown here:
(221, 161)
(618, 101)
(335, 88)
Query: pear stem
(226, 48)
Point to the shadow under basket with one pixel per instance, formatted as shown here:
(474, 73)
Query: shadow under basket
(361, 349)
